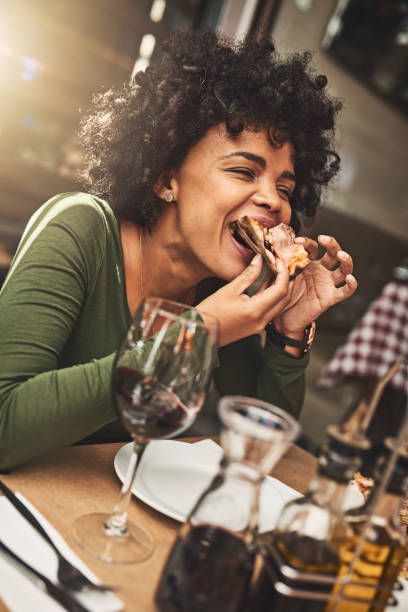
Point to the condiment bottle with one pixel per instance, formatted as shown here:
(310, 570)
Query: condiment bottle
(383, 548)
(300, 558)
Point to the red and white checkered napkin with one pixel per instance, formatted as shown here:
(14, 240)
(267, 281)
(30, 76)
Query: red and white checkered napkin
(376, 343)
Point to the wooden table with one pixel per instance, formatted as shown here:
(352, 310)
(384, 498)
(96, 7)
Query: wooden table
(81, 479)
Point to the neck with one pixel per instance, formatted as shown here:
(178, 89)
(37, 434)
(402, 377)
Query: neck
(157, 264)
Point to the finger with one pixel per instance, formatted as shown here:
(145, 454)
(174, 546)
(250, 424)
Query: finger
(275, 292)
(248, 276)
(347, 290)
(345, 268)
(266, 283)
(310, 245)
(329, 259)
(264, 279)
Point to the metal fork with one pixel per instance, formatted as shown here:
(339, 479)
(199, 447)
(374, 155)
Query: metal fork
(68, 575)
(56, 592)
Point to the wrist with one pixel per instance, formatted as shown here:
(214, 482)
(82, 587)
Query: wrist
(295, 344)
(296, 334)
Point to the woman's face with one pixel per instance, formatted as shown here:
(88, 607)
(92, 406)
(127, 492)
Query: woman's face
(221, 179)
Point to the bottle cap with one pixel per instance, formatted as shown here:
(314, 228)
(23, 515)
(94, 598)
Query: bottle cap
(347, 441)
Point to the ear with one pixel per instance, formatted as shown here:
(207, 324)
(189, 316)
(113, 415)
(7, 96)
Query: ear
(166, 182)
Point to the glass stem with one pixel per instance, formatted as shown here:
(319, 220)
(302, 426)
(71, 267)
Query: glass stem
(254, 517)
(117, 522)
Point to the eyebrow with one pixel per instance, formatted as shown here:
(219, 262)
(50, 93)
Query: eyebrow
(260, 161)
(250, 156)
(288, 175)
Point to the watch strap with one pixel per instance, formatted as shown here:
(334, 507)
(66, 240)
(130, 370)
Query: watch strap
(282, 341)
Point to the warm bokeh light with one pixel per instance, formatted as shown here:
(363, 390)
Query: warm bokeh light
(157, 10)
(147, 46)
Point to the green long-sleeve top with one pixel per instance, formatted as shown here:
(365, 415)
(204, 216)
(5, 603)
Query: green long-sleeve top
(64, 313)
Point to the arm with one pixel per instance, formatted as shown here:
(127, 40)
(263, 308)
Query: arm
(268, 373)
(41, 407)
(282, 379)
(245, 367)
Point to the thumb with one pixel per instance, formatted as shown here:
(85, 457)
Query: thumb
(248, 276)
(279, 288)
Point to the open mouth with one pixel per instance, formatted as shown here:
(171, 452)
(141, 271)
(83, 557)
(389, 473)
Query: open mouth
(252, 235)
(241, 246)
(237, 236)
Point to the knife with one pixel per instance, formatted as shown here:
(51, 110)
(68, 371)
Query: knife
(25, 512)
(42, 582)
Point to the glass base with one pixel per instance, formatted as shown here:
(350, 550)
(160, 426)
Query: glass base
(92, 535)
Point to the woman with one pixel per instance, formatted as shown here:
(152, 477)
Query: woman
(211, 132)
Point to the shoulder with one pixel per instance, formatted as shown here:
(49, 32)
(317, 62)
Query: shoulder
(77, 216)
(74, 228)
(74, 208)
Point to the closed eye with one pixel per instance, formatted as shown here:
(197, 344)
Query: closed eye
(247, 172)
(286, 193)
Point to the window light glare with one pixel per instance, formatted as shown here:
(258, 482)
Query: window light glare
(147, 46)
(157, 10)
(5, 51)
(30, 68)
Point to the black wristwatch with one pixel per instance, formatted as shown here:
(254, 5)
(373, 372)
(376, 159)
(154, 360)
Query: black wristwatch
(274, 337)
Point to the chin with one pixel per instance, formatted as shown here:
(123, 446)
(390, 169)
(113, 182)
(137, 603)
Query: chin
(227, 265)
(229, 272)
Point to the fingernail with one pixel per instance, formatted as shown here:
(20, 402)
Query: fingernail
(299, 239)
(324, 237)
(256, 259)
(343, 255)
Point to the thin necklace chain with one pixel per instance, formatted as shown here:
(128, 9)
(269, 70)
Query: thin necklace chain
(191, 292)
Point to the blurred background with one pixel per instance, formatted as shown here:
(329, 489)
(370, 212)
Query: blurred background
(55, 54)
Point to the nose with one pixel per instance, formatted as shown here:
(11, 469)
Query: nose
(268, 197)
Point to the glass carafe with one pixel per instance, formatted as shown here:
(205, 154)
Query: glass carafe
(211, 563)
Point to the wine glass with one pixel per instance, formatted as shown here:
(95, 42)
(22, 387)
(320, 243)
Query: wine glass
(160, 378)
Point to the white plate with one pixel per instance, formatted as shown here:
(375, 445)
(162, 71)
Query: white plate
(172, 475)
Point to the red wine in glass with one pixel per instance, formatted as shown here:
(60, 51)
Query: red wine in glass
(147, 408)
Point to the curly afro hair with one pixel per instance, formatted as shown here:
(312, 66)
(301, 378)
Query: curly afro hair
(200, 80)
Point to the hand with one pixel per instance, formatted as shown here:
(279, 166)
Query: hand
(240, 315)
(323, 283)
